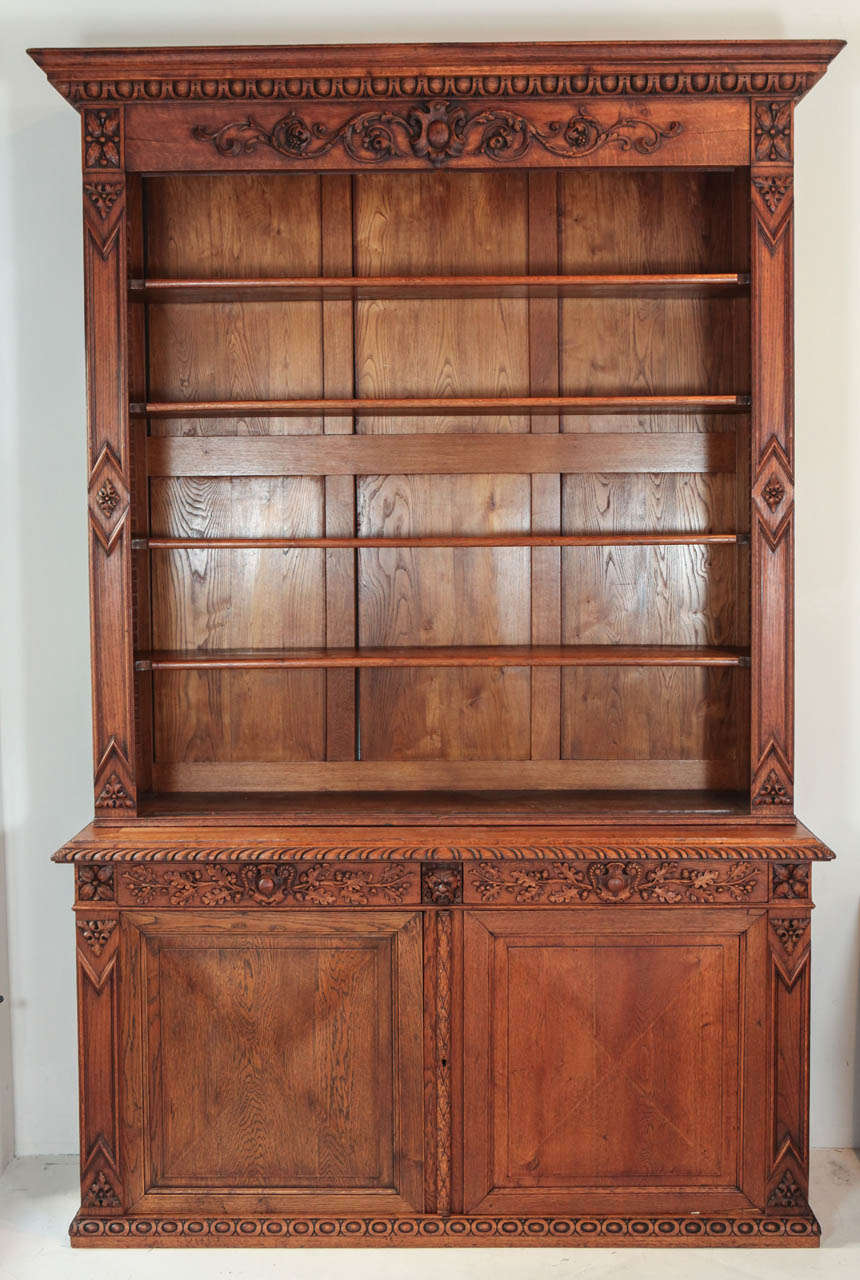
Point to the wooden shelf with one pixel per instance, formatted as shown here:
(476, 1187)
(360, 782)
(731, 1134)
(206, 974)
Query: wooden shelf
(359, 288)
(442, 540)
(445, 656)
(436, 406)
(488, 808)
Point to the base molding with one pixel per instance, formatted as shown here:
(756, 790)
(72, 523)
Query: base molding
(679, 1230)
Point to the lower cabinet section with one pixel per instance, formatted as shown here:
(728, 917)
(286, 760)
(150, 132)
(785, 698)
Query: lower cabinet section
(606, 1073)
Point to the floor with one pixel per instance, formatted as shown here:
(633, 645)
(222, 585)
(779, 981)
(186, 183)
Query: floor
(38, 1197)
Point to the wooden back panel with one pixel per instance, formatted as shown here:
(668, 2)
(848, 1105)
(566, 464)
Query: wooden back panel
(429, 224)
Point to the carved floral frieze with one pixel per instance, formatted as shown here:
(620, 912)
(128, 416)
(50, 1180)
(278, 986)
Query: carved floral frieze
(437, 132)
(572, 882)
(273, 885)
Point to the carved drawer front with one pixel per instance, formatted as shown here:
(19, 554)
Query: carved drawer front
(275, 1056)
(608, 1049)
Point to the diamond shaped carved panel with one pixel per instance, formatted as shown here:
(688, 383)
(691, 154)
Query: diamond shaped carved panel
(108, 498)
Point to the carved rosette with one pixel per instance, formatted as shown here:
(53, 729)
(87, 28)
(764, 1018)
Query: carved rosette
(772, 126)
(568, 883)
(791, 880)
(437, 132)
(95, 883)
(282, 884)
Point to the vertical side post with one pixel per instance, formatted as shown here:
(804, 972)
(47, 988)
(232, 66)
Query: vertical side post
(772, 532)
(109, 460)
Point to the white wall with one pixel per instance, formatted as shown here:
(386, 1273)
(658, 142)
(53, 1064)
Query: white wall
(44, 696)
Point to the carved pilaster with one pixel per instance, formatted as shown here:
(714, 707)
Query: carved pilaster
(789, 940)
(772, 539)
(105, 249)
(97, 938)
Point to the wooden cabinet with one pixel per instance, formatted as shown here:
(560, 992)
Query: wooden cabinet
(444, 884)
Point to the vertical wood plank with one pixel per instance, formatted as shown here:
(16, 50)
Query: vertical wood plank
(772, 428)
(109, 456)
(338, 380)
(543, 255)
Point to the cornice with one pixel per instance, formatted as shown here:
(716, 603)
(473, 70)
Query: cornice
(706, 69)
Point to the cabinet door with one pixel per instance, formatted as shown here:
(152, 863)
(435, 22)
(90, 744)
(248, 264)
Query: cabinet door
(273, 1061)
(606, 1055)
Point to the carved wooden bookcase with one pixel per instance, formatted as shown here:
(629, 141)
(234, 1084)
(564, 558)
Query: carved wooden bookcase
(444, 885)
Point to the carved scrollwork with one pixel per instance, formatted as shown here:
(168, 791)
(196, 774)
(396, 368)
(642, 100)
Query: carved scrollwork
(437, 131)
(572, 882)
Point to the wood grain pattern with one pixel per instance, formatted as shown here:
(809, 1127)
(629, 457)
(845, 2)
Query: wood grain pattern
(340, 1114)
(441, 495)
(210, 598)
(652, 1006)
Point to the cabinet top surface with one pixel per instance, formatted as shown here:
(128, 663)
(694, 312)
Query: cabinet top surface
(732, 67)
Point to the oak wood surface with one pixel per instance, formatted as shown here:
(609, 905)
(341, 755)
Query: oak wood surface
(444, 884)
